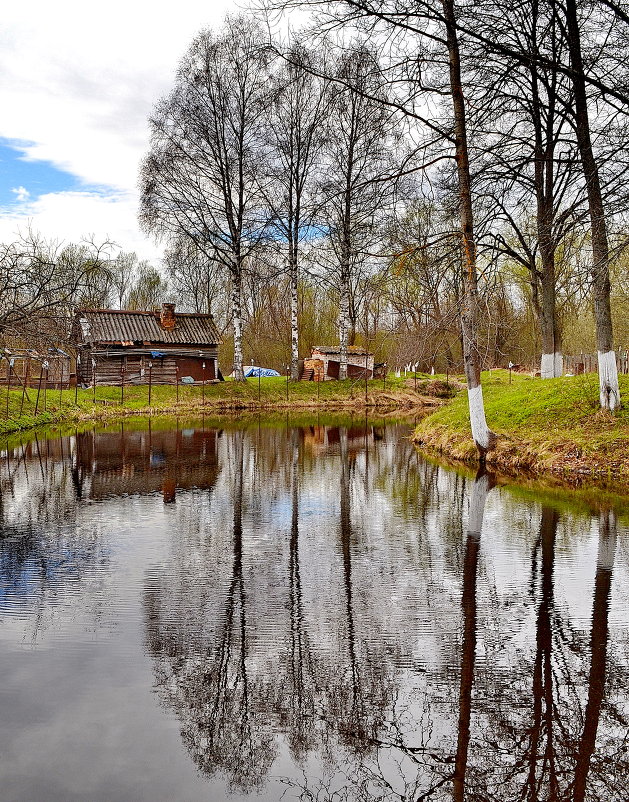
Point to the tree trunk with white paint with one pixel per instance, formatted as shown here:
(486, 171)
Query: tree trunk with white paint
(237, 322)
(484, 438)
(607, 371)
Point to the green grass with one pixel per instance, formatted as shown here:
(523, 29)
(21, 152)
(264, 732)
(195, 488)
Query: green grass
(54, 406)
(551, 425)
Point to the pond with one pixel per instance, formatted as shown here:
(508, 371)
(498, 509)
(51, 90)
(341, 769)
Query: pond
(302, 609)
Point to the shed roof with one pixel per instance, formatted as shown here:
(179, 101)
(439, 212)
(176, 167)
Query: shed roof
(352, 350)
(120, 326)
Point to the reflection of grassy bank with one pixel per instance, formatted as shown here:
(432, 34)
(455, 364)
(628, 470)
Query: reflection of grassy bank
(226, 397)
(552, 427)
(245, 420)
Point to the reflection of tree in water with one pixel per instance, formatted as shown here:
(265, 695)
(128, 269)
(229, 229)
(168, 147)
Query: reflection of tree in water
(547, 728)
(535, 740)
(231, 699)
(208, 684)
(48, 556)
(250, 639)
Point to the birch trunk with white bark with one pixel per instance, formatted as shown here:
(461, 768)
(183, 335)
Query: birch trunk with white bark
(237, 323)
(343, 324)
(294, 309)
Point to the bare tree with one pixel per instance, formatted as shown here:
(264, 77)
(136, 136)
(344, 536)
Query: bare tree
(296, 134)
(362, 140)
(607, 371)
(203, 177)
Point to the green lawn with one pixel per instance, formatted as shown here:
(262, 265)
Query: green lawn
(552, 424)
(267, 393)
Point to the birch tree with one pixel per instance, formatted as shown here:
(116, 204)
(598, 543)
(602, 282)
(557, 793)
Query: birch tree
(362, 140)
(296, 128)
(203, 177)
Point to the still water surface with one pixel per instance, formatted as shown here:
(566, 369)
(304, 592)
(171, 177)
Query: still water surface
(194, 613)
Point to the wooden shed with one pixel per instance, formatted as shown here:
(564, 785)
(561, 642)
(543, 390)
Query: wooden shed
(116, 345)
(324, 363)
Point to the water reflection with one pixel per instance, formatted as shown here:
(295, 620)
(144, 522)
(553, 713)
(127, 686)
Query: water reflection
(324, 610)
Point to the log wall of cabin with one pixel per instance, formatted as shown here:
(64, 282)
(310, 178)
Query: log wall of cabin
(136, 368)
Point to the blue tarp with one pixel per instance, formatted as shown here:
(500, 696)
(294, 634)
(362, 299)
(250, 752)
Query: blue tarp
(260, 372)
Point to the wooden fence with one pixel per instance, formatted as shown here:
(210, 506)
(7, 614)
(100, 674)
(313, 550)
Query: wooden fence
(588, 363)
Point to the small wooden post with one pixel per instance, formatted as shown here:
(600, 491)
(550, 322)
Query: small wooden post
(177, 380)
(94, 377)
(45, 385)
(61, 383)
(24, 382)
(150, 379)
(122, 372)
(8, 384)
(203, 386)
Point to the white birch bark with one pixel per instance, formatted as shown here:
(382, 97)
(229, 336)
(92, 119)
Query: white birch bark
(343, 328)
(237, 324)
(481, 433)
(552, 365)
(608, 380)
(294, 326)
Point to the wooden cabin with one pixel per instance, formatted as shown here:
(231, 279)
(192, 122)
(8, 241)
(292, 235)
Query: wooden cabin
(165, 347)
(324, 363)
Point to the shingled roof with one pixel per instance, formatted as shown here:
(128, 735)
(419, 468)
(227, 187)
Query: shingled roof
(122, 326)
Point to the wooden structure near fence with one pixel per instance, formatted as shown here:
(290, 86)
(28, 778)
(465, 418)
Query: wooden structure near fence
(32, 368)
(324, 363)
(117, 347)
(588, 363)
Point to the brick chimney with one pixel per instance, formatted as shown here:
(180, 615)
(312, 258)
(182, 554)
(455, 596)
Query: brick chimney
(167, 317)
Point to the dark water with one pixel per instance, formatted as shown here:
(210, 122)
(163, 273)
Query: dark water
(204, 614)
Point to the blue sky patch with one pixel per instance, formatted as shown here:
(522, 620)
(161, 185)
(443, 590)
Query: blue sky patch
(37, 177)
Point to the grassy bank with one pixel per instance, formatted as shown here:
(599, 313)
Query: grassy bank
(552, 427)
(267, 394)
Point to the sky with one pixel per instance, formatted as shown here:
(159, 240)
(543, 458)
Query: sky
(78, 82)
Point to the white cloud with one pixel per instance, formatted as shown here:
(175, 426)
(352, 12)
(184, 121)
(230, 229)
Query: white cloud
(21, 193)
(77, 83)
(75, 216)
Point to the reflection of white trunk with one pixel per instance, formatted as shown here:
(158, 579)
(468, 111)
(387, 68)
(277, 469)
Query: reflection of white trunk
(552, 365)
(480, 432)
(608, 380)
(607, 541)
(477, 505)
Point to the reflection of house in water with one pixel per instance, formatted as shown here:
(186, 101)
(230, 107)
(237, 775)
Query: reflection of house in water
(123, 462)
(320, 440)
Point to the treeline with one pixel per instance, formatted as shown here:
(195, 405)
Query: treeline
(42, 283)
(446, 180)
(441, 181)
